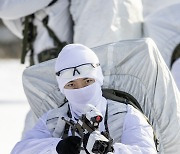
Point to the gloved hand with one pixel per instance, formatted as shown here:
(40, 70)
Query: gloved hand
(96, 143)
(70, 145)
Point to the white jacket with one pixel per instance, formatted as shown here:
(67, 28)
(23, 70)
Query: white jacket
(105, 21)
(136, 136)
(12, 13)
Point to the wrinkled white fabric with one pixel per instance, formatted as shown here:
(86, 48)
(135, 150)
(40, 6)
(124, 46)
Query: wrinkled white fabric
(150, 7)
(16, 9)
(163, 27)
(105, 21)
(73, 55)
(137, 136)
(38, 140)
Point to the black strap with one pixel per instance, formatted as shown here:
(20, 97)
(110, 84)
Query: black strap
(56, 40)
(66, 130)
(29, 35)
(121, 96)
(67, 126)
(48, 54)
(52, 2)
(105, 120)
(175, 55)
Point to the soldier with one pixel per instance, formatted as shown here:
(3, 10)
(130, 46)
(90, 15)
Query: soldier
(80, 78)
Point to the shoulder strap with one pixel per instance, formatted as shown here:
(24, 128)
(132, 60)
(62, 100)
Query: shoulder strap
(66, 127)
(58, 44)
(122, 97)
(29, 35)
(175, 55)
(52, 2)
(51, 33)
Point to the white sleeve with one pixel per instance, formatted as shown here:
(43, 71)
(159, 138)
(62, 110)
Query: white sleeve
(137, 137)
(38, 140)
(13, 9)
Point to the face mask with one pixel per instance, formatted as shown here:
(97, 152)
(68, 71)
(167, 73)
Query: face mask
(78, 98)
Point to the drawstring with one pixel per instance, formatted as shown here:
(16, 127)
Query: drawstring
(67, 126)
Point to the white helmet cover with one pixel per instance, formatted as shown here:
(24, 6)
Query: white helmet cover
(73, 55)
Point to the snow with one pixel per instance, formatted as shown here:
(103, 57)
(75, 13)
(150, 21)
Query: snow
(13, 104)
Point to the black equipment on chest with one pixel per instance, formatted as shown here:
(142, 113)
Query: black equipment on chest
(83, 124)
(84, 127)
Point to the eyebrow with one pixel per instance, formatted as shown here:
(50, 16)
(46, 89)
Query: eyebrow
(83, 79)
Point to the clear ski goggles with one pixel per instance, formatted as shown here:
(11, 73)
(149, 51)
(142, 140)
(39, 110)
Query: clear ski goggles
(82, 69)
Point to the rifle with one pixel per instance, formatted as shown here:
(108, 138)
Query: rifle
(88, 124)
(83, 125)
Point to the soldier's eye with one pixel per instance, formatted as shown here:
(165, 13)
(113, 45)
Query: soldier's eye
(70, 85)
(89, 81)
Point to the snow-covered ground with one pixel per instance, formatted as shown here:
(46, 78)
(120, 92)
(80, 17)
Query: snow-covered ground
(13, 104)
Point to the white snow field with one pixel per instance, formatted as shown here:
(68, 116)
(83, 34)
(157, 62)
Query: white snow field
(13, 104)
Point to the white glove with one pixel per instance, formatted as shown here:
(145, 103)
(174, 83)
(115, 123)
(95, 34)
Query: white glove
(96, 141)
